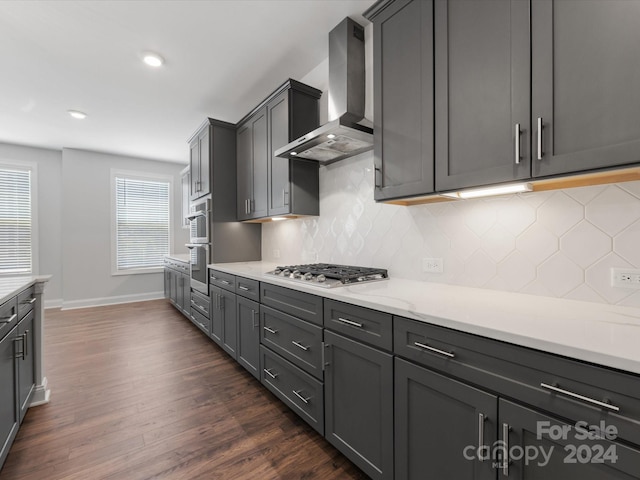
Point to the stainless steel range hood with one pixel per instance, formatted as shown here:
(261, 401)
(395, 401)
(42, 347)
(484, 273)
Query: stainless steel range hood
(347, 133)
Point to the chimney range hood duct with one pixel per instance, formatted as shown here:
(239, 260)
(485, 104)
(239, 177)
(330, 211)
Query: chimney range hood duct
(343, 136)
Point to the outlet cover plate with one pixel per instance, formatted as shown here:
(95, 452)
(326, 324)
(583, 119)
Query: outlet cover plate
(625, 278)
(432, 265)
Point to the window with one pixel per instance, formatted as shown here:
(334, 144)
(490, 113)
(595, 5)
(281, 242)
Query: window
(16, 223)
(142, 212)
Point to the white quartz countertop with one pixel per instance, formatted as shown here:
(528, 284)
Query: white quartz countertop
(11, 286)
(181, 257)
(604, 334)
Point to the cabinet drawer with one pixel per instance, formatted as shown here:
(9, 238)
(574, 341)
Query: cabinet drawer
(369, 326)
(248, 288)
(200, 303)
(300, 391)
(8, 316)
(26, 301)
(222, 280)
(300, 304)
(200, 321)
(298, 341)
(569, 388)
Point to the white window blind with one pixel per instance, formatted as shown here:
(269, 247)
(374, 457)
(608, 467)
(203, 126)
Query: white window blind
(142, 223)
(15, 221)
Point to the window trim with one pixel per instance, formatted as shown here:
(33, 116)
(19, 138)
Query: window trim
(145, 176)
(11, 164)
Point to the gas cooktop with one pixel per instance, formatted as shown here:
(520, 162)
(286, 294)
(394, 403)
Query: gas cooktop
(327, 275)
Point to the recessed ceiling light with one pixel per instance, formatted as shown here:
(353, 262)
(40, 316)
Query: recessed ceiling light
(152, 59)
(77, 114)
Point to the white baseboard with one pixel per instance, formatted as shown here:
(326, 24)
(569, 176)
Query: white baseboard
(55, 303)
(41, 394)
(99, 302)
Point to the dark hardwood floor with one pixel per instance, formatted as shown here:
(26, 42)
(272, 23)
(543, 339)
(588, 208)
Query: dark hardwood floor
(138, 392)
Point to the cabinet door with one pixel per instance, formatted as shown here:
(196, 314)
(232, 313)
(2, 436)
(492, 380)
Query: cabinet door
(204, 144)
(229, 323)
(248, 335)
(561, 452)
(403, 99)
(440, 424)
(482, 92)
(216, 314)
(359, 404)
(167, 283)
(279, 185)
(8, 407)
(585, 74)
(260, 164)
(186, 294)
(244, 155)
(194, 169)
(26, 375)
(179, 281)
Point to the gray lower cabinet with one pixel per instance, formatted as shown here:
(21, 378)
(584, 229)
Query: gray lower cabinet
(224, 324)
(567, 455)
(584, 55)
(9, 412)
(248, 312)
(25, 364)
(177, 285)
(439, 425)
(359, 404)
(482, 91)
(403, 69)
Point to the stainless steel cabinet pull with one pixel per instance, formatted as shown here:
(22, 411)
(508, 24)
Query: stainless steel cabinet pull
(198, 307)
(505, 459)
(577, 396)
(434, 350)
(268, 372)
(299, 345)
(377, 171)
(21, 353)
(225, 282)
(517, 141)
(26, 342)
(297, 394)
(270, 330)
(481, 420)
(213, 277)
(242, 287)
(9, 319)
(350, 322)
(29, 302)
(540, 128)
(256, 324)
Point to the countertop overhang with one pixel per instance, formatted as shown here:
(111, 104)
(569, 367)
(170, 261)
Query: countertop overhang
(11, 286)
(602, 334)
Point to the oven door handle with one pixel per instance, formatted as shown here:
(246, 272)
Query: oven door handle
(196, 245)
(193, 216)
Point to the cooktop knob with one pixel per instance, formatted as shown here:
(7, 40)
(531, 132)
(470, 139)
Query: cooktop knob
(308, 276)
(277, 271)
(296, 274)
(321, 278)
(286, 272)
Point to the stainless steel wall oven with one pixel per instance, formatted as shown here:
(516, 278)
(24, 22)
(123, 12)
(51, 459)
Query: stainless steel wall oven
(200, 243)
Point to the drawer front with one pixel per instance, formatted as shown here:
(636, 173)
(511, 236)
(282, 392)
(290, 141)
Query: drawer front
(200, 303)
(569, 388)
(222, 280)
(8, 316)
(298, 341)
(248, 288)
(299, 304)
(200, 321)
(26, 302)
(364, 324)
(301, 392)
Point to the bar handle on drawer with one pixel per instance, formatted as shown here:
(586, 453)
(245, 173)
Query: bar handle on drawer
(270, 330)
(9, 319)
(29, 302)
(242, 287)
(299, 345)
(434, 350)
(225, 282)
(577, 396)
(349, 322)
(268, 372)
(297, 394)
(213, 277)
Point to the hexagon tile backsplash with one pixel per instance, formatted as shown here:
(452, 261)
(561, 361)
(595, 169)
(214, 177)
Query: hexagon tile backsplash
(559, 243)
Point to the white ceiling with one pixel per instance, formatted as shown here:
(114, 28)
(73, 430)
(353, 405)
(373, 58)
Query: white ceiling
(222, 59)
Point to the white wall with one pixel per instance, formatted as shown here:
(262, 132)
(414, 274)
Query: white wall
(49, 209)
(74, 224)
(86, 223)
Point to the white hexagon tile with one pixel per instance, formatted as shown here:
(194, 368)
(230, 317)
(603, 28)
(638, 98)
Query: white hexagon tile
(556, 243)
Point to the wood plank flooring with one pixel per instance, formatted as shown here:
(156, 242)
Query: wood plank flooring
(138, 392)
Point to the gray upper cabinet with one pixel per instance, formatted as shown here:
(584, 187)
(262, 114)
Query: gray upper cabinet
(269, 185)
(252, 166)
(403, 99)
(482, 87)
(199, 164)
(585, 70)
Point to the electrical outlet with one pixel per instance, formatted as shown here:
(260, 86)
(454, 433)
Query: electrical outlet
(276, 253)
(625, 278)
(432, 265)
